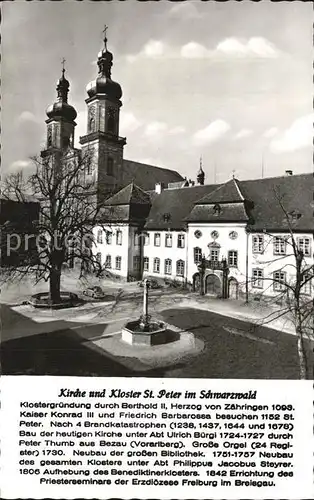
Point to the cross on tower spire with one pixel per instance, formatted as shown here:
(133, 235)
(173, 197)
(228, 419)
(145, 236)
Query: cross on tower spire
(105, 35)
(63, 67)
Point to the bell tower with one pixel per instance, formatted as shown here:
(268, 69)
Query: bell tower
(102, 144)
(61, 118)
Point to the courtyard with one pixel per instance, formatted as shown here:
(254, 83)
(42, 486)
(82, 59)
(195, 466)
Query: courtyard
(229, 338)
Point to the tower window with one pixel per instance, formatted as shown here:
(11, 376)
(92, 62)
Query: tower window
(91, 119)
(110, 166)
(110, 124)
(49, 136)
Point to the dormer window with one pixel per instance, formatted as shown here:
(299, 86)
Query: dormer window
(217, 209)
(167, 217)
(295, 215)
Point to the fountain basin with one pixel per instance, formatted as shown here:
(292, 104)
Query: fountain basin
(155, 333)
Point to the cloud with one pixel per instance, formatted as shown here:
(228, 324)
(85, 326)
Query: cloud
(245, 132)
(152, 49)
(129, 122)
(20, 165)
(177, 130)
(27, 116)
(193, 50)
(270, 132)
(230, 48)
(185, 10)
(154, 129)
(299, 135)
(213, 132)
(253, 47)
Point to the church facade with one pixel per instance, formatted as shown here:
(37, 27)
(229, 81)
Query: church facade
(227, 240)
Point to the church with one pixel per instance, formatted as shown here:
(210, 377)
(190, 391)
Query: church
(228, 240)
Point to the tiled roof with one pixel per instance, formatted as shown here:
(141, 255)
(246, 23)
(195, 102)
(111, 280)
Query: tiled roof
(129, 195)
(228, 212)
(146, 176)
(178, 203)
(296, 192)
(228, 192)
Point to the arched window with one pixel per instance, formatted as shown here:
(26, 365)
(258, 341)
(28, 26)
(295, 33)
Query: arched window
(49, 136)
(110, 166)
(91, 119)
(180, 267)
(110, 124)
(156, 265)
(168, 266)
(197, 255)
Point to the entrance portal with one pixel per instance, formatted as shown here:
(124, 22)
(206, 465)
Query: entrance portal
(213, 285)
(196, 282)
(233, 289)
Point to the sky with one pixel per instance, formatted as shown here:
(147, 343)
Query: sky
(230, 82)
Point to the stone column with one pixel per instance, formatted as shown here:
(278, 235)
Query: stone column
(145, 301)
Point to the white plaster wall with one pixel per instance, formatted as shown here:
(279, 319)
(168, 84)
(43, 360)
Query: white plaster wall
(271, 263)
(114, 250)
(225, 242)
(162, 252)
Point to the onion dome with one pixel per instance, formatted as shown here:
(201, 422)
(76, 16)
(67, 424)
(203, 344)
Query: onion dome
(61, 108)
(200, 174)
(103, 84)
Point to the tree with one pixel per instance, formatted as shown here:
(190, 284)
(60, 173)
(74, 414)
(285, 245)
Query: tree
(291, 280)
(69, 208)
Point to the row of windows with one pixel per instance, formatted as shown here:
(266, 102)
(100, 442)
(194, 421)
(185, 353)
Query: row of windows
(157, 239)
(279, 280)
(180, 265)
(280, 245)
(108, 237)
(258, 245)
(108, 261)
(214, 256)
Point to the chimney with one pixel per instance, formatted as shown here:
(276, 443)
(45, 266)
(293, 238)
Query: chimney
(289, 172)
(158, 187)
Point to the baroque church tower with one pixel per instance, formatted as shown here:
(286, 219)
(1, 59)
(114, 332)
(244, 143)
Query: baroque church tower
(61, 121)
(102, 142)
